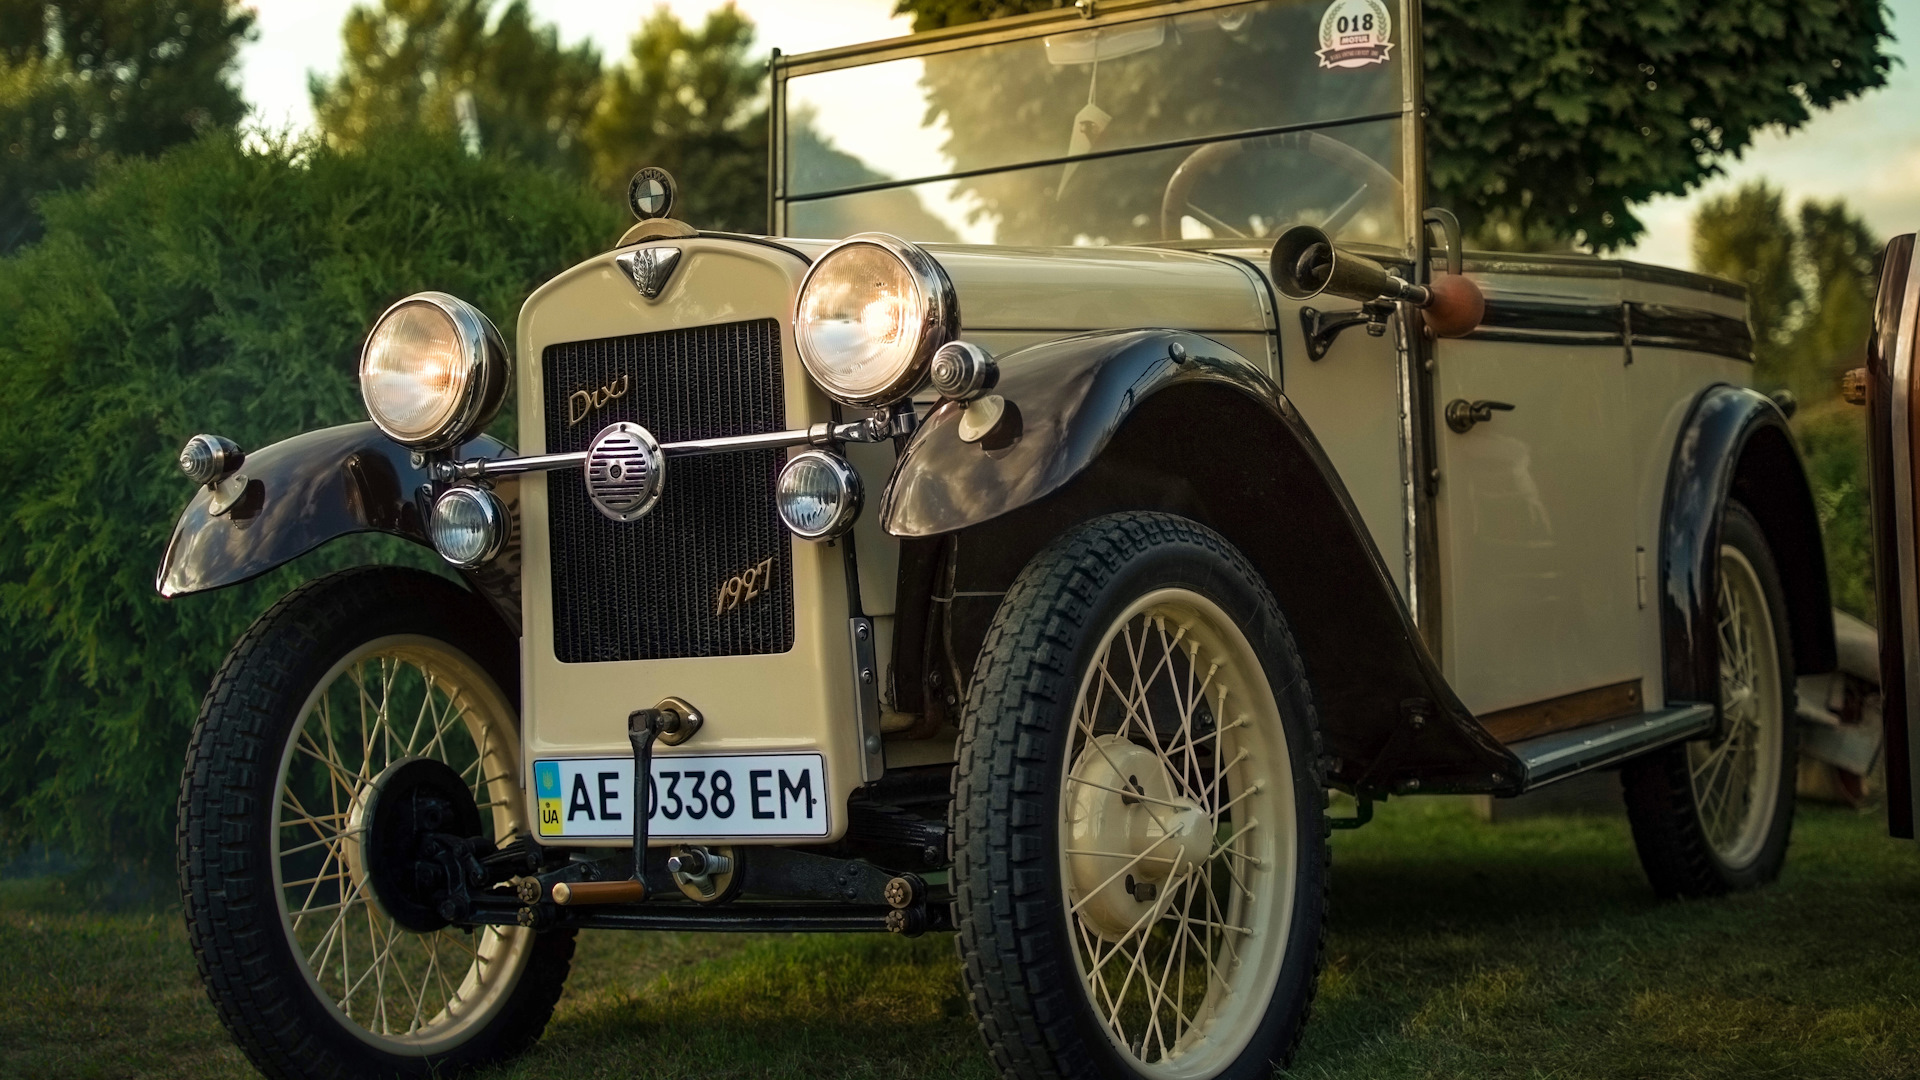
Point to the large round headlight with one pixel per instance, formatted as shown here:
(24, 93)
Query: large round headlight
(434, 371)
(871, 312)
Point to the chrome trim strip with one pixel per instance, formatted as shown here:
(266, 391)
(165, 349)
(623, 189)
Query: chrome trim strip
(1569, 753)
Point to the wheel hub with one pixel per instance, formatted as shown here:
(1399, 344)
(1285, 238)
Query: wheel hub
(389, 840)
(1129, 833)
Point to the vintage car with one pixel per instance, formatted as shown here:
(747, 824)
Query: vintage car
(1887, 388)
(1033, 578)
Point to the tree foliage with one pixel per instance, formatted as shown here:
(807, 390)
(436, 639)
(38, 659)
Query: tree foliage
(1548, 122)
(422, 63)
(1810, 278)
(1810, 282)
(82, 80)
(692, 102)
(689, 100)
(213, 289)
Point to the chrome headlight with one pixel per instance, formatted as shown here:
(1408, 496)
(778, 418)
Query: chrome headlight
(434, 371)
(817, 495)
(870, 314)
(469, 526)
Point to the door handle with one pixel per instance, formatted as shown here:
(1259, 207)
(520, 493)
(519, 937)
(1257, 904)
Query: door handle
(1463, 414)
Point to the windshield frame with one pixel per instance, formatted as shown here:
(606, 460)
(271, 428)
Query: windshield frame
(1110, 14)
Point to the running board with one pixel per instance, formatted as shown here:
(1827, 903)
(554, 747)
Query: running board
(1562, 754)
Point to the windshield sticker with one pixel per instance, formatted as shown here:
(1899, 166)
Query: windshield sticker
(1353, 34)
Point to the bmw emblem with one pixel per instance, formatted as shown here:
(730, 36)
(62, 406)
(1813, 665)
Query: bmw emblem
(651, 193)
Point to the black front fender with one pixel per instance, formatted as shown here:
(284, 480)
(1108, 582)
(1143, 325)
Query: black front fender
(296, 495)
(1067, 399)
(1125, 421)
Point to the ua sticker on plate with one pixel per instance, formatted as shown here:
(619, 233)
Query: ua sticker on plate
(708, 796)
(1354, 33)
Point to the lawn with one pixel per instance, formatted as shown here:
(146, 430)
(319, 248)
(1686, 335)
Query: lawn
(1528, 949)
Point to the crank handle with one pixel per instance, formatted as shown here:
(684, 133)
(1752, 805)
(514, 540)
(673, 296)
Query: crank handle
(1463, 414)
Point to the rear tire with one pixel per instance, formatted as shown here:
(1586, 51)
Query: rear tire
(309, 972)
(1138, 703)
(1712, 817)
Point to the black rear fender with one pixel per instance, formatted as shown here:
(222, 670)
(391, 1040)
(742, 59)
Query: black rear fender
(1736, 444)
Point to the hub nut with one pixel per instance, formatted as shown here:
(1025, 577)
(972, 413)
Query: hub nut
(527, 889)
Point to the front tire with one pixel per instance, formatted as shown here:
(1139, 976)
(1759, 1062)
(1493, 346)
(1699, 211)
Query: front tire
(310, 971)
(1713, 817)
(1140, 855)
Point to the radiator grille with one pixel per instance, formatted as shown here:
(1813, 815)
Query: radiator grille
(648, 590)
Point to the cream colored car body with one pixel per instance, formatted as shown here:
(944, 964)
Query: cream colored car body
(1546, 515)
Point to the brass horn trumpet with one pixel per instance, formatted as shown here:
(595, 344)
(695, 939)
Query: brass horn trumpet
(1307, 263)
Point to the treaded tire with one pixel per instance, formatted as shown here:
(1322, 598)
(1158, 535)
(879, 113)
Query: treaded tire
(1015, 938)
(1662, 809)
(227, 796)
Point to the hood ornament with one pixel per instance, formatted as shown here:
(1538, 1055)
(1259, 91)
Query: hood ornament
(649, 268)
(651, 193)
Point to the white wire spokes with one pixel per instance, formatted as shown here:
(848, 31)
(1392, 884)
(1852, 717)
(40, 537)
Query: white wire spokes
(386, 707)
(1159, 982)
(1732, 777)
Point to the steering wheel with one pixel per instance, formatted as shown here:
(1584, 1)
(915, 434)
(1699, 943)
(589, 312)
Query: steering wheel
(1208, 160)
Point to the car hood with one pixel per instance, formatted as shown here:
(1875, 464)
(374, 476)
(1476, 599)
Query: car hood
(1078, 289)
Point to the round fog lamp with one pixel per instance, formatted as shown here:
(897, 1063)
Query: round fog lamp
(469, 526)
(818, 495)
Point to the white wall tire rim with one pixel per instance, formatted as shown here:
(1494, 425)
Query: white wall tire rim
(1736, 778)
(404, 993)
(1182, 991)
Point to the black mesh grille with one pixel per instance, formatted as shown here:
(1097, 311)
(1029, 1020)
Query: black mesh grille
(647, 590)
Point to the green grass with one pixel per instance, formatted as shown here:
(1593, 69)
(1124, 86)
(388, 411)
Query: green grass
(1524, 950)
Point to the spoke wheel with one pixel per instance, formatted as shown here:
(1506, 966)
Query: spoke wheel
(391, 701)
(362, 716)
(1735, 778)
(1715, 815)
(1140, 857)
(1177, 817)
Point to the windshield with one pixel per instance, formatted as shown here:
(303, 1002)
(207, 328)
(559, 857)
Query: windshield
(1233, 121)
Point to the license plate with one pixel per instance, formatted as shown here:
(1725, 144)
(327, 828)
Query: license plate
(706, 796)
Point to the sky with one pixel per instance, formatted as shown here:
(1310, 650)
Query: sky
(1866, 151)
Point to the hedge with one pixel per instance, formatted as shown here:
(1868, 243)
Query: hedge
(222, 287)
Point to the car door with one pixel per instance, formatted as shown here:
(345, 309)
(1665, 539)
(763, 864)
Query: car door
(1535, 508)
(1886, 387)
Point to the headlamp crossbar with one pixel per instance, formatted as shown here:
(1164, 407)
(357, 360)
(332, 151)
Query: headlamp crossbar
(870, 430)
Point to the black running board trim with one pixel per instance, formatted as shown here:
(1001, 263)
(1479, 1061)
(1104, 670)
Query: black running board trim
(1548, 758)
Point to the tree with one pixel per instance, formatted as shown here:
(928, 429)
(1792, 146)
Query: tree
(692, 103)
(1548, 122)
(1810, 281)
(1746, 237)
(215, 288)
(423, 63)
(84, 80)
